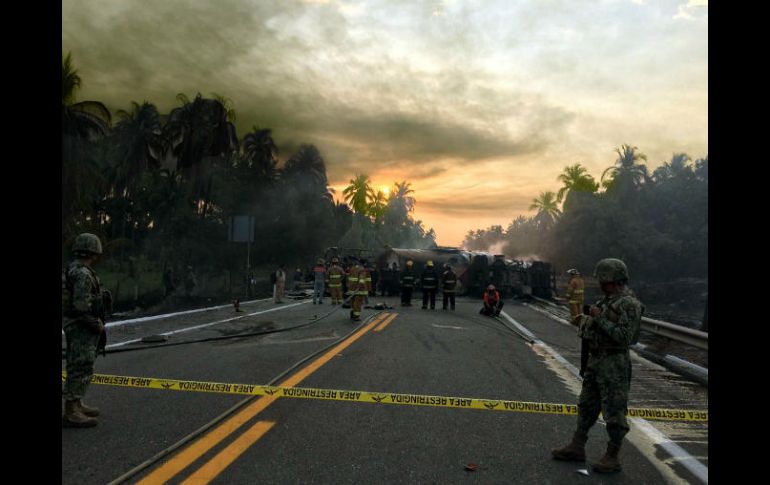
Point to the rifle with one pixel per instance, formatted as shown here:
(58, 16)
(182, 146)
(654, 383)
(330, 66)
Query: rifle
(102, 308)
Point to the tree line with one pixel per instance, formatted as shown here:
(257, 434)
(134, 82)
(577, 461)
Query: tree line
(657, 222)
(165, 185)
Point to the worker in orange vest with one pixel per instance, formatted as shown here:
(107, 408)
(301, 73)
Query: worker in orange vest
(493, 304)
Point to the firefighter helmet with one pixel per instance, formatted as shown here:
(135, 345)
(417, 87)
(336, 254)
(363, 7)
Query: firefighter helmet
(491, 288)
(611, 270)
(573, 271)
(409, 263)
(429, 264)
(87, 244)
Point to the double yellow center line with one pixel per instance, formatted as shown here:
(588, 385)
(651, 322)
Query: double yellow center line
(231, 452)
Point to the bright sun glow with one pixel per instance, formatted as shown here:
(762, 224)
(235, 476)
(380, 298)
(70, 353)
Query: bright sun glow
(385, 190)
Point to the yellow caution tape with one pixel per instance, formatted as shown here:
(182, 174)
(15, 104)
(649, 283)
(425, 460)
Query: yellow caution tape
(382, 397)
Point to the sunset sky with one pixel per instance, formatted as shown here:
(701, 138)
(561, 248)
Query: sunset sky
(479, 104)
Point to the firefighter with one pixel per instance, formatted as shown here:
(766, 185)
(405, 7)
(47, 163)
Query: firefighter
(367, 280)
(334, 280)
(407, 284)
(448, 287)
(357, 281)
(352, 288)
(575, 294)
(360, 289)
(428, 283)
(493, 304)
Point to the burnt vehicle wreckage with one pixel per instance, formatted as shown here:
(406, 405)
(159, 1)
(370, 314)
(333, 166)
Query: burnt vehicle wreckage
(475, 269)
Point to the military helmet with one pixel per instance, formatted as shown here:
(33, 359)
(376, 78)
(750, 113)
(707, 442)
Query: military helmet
(611, 270)
(429, 264)
(87, 244)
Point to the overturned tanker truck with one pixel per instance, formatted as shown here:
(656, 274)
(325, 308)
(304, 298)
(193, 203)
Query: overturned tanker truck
(476, 270)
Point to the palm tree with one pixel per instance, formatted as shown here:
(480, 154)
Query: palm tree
(401, 194)
(82, 123)
(140, 144)
(87, 119)
(547, 207)
(227, 104)
(260, 153)
(575, 177)
(307, 167)
(358, 193)
(377, 206)
(626, 170)
(677, 168)
(198, 129)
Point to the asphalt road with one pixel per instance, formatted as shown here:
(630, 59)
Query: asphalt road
(461, 354)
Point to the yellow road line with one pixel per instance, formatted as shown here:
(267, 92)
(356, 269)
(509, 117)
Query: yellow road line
(194, 451)
(224, 458)
(386, 322)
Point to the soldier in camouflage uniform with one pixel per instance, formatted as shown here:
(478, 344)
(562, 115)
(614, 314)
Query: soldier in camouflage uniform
(83, 325)
(609, 330)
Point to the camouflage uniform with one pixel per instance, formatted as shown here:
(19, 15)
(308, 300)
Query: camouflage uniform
(83, 326)
(607, 375)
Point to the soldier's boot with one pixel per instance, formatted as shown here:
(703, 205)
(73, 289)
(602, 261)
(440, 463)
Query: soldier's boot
(575, 451)
(609, 462)
(74, 418)
(86, 409)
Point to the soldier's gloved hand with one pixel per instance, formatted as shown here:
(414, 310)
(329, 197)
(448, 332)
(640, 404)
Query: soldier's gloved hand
(595, 311)
(584, 324)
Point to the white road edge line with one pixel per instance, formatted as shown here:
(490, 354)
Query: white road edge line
(677, 452)
(169, 315)
(187, 329)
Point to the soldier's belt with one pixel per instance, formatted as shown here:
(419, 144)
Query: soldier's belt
(383, 397)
